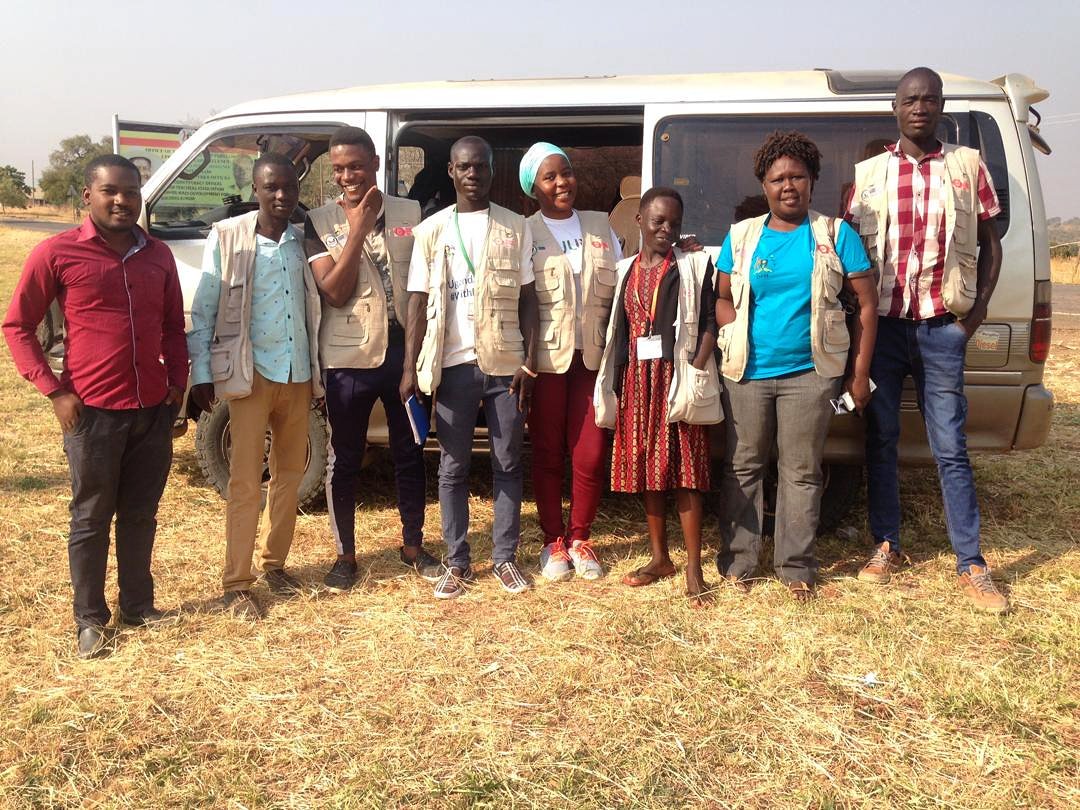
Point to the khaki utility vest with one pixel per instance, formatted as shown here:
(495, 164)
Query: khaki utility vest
(829, 336)
(694, 395)
(355, 335)
(556, 293)
(232, 361)
(500, 346)
(870, 197)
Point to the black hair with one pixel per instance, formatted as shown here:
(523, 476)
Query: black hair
(929, 73)
(474, 140)
(104, 161)
(655, 193)
(275, 159)
(352, 136)
(791, 144)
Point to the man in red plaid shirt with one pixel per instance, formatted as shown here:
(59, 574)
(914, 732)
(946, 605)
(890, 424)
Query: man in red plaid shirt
(925, 211)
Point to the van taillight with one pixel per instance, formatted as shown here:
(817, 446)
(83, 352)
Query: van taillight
(1039, 347)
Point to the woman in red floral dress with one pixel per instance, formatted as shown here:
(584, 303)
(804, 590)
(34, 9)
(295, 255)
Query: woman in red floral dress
(651, 455)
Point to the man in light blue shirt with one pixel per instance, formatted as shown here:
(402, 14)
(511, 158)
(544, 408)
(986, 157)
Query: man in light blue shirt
(254, 319)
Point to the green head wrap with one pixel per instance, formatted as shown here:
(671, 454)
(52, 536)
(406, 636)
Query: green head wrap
(530, 164)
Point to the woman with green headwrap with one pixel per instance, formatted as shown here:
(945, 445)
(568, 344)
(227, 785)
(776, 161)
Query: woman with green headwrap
(574, 256)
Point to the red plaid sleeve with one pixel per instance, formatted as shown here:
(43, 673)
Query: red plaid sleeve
(988, 201)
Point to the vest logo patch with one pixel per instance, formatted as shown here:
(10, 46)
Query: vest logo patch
(962, 185)
(335, 241)
(868, 192)
(824, 249)
(508, 241)
(599, 244)
(402, 231)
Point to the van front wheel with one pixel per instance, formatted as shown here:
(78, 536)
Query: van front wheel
(213, 448)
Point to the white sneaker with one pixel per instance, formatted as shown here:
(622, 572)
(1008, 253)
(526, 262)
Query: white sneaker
(555, 562)
(584, 558)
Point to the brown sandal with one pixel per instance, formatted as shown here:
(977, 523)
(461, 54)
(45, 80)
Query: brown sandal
(640, 578)
(801, 591)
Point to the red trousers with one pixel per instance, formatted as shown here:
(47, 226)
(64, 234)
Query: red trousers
(562, 422)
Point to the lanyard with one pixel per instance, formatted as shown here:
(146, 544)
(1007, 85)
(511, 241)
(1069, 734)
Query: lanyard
(651, 312)
(461, 244)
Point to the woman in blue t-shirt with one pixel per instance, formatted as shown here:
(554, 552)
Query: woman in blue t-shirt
(786, 348)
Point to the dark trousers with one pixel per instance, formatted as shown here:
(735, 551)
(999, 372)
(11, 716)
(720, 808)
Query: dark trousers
(119, 462)
(350, 396)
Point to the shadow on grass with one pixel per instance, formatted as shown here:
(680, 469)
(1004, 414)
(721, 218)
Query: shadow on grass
(31, 483)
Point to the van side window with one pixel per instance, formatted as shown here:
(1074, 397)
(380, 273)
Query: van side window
(710, 160)
(980, 131)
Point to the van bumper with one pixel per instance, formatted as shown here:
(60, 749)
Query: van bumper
(1034, 424)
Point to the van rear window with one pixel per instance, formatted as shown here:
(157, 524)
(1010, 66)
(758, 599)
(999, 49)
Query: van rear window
(710, 160)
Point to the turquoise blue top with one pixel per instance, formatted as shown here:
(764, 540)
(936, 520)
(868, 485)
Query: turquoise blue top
(780, 273)
(279, 338)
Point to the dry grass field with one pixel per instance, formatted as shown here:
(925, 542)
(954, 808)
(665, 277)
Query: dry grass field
(1065, 271)
(576, 695)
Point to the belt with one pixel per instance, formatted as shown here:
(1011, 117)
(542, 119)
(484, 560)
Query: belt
(938, 320)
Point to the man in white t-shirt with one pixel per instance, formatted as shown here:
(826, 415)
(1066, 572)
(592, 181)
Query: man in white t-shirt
(471, 336)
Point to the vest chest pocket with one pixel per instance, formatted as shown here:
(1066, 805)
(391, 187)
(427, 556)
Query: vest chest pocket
(550, 334)
(603, 281)
(233, 314)
(549, 285)
(363, 286)
(836, 337)
(832, 278)
(348, 328)
(964, 205)
(503, 288)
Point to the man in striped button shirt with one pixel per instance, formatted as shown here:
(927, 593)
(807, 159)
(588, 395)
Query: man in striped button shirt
(925, 211)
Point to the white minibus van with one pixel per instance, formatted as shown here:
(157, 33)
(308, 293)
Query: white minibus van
(697, 133)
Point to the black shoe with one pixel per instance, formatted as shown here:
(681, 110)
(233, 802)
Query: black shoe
(341, 576)
(95, 642)
(426, 567)
(282, 583)
(151, 618)
(238, 603)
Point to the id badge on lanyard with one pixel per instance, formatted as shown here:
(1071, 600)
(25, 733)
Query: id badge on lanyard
(650, 347)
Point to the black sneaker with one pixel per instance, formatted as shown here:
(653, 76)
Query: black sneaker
(426, 567)
(341, 576)
(510, 577)
(95, 642)
(282, 583)
(453, 581)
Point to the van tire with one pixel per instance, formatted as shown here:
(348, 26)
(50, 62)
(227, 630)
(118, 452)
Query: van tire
(212, 452)
(843, 487)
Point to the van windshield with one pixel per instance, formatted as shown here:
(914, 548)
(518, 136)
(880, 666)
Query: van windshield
(710, 161)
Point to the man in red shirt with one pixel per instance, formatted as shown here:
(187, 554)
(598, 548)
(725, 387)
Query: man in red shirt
(925, 211)
(115, 400)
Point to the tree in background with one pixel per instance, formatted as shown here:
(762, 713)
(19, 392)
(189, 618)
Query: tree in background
(18, 177)
(67, 163)
(11, 194)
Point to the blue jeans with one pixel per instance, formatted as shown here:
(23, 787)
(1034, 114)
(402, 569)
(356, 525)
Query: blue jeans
(932, 352)
(464, 389)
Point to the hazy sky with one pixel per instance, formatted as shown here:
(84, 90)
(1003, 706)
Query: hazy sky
(66, 67)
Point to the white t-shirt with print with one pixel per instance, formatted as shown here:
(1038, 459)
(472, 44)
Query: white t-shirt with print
(459, 345)
(567, 233)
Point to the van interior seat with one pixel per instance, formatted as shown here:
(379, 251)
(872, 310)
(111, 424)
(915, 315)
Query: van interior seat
(623, 216)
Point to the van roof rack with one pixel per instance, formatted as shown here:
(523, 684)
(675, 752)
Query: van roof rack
(845, 82)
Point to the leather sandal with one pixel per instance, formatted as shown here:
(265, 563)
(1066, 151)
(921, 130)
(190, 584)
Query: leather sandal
(801, 591)
(640, 577)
